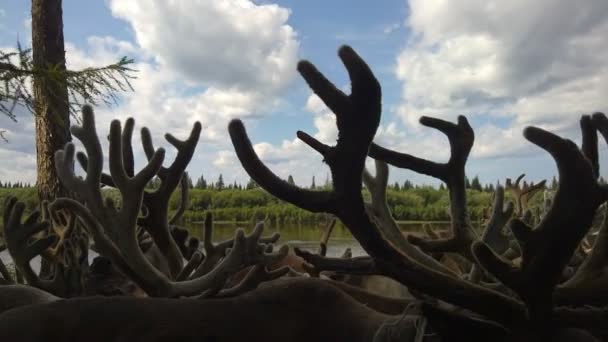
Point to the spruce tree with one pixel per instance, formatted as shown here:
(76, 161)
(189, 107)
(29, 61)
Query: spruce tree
(476, 184)
(220, 183)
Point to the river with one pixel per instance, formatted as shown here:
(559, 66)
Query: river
(303, 236)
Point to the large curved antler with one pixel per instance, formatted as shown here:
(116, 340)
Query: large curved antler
(548, 247)
(587, 285)
(357, 117)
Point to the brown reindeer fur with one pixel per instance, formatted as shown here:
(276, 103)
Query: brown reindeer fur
(292, 310)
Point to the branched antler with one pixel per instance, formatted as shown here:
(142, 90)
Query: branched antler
(114, 230)
(215, 252)
(156, 204)
(380, 213)
(523, 194)
(588, 283)
(357, 118)
(156, 221)
(23, 248)
(257, 274)
(548, 248)
(461, 137)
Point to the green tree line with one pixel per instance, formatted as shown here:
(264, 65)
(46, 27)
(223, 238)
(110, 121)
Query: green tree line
(251, 203)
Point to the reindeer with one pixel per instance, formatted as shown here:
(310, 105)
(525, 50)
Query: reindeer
(114, 229)
(531, 313)
(530, 303)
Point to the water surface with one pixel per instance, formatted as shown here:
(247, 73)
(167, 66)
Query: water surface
(303, 236)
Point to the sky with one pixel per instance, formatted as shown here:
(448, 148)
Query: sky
(505, 65)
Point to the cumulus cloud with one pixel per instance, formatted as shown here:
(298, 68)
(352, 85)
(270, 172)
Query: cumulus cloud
(541, 63)
(293, 157)
(219, 61)
(223, 44)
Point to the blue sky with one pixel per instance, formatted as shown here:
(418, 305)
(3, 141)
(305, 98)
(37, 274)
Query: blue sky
(505, 65)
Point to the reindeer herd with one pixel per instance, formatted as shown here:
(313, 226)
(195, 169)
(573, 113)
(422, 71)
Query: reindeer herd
(525, 276)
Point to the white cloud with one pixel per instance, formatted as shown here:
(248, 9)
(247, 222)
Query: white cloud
(223, 44)
(236, 64)
(293, 157)
(219, 61)
(98, 52)
(23, 166)
(541, 63)
(391, 28)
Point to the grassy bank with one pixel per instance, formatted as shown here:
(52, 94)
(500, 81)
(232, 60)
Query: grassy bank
(416, 205)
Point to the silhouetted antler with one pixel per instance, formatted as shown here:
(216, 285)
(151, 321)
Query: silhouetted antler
(587, 286)
(379, 212)
(493, 234)
(156, 221)
(548, 248)
(461, 137)
(357, 118)
(215, 252)
(183, 203)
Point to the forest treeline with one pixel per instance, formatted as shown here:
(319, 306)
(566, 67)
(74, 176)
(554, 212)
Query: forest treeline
(237, 203)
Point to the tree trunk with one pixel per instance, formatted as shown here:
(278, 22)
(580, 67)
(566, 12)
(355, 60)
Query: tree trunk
(51, 96)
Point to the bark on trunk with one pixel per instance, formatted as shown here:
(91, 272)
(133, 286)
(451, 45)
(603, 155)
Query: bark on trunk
(51, 97)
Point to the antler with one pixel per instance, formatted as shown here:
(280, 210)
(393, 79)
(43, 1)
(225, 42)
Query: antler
(215, 252)
(327, 230)
(548, 248)
(156, 221)
(493, 234)
(18, 237)
(156, 203)
(114, 230)
(71, 245)
(6, 276)
(523, 194)
(587, 286)
(460, 137)
(357, 117)
(257, 274)
(362, 265)
(380, 213)
(183, 203)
